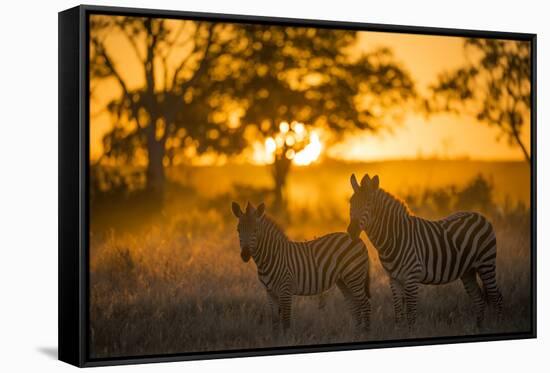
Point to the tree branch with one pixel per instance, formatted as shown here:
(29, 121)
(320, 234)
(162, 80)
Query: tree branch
(516, 136)
(130, 39)
(202, 65)
(100, 49)
(170, 44)
(165, 72)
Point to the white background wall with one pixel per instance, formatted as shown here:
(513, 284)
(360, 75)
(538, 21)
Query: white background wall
(28, 183)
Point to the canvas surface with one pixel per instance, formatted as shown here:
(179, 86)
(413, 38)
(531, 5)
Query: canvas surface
(187, 117)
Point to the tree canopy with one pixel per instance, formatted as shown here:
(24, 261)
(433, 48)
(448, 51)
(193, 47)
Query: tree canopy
(232, 79)
(494, 87)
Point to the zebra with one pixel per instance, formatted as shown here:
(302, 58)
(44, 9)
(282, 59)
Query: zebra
(287, 268)
(416, 251)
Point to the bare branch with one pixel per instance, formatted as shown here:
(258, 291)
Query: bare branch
(130, 39)
(97, 113)
(202, 64)
(170, 44)
(165, 72)
(100, 49)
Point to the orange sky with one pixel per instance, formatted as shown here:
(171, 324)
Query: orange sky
(443, 135)
(423, 56)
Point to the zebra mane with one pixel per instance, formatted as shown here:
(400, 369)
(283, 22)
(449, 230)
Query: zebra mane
(402, 205)
(270, 225)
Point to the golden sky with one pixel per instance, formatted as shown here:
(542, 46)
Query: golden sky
(423, 56)
(442, 135)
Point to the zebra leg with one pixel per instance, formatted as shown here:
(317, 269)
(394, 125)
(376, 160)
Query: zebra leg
(355, 313)
(366, 312)
(275, 313)
(472, 288)
(488, 276)
(398, 299)
(411, 300)
(359, 304)
(285, 307)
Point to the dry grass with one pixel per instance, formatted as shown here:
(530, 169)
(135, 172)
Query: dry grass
(173, 281)
(180, 286)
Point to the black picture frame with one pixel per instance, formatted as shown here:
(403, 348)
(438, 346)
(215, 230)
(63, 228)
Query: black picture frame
(74, 183)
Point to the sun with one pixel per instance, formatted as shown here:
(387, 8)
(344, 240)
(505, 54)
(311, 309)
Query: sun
(293, 141)
(310, 153)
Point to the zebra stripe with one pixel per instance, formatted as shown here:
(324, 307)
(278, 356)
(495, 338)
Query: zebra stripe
(417, 251)
(287, 268)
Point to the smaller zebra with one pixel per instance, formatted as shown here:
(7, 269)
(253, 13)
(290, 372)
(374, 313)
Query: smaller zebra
(287, 268)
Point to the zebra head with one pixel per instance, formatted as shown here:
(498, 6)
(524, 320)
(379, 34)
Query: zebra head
(248, 227)
(361, 202)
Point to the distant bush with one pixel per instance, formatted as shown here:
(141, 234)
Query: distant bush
(477, 195)
(106, 180)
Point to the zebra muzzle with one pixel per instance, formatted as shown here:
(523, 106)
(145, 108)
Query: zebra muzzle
(245, 254)
(354, 230)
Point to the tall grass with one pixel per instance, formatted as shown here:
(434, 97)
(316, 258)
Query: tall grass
(177, 283)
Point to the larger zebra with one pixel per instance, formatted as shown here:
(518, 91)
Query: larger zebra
(287, 268)
(417, 251)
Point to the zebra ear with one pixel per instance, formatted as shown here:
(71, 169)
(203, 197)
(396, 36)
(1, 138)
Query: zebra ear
(236, 209)
(354, 184)
(365, 180)
(375, 182)
(260, 210)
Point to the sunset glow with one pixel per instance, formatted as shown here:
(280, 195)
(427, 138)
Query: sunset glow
(424, 56)
(310, 153)
(219, 149)
(288, 136)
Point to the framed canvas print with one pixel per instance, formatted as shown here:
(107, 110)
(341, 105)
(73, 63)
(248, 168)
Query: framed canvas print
(237, 186)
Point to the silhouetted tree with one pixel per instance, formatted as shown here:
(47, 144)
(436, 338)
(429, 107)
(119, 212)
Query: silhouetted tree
(166, 112)
(307, 75)
(494, 86)
(230, 80)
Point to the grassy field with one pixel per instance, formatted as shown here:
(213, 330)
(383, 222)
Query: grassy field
(173, 281)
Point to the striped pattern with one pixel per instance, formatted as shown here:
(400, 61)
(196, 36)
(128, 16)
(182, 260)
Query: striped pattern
(288, 268)
(417, 251)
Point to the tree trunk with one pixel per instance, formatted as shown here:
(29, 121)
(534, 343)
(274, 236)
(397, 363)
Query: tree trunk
(155, 147)
(517, 138)
(523, 148)
(155, 168)
(281, 168)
